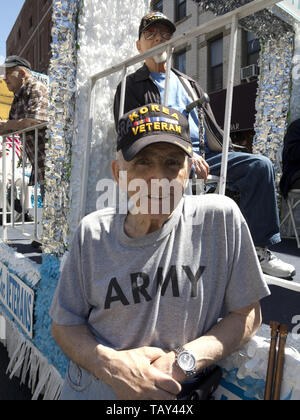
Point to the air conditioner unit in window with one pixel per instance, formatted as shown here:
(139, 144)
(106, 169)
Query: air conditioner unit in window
(250, 71)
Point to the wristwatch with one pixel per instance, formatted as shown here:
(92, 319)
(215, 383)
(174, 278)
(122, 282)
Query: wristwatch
(186, 361)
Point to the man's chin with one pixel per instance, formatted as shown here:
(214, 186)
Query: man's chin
(161, 58)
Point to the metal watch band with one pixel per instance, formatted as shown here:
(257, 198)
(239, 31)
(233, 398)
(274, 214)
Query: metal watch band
(188, 374)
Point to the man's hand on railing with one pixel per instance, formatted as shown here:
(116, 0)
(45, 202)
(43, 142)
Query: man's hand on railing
(10, 126)
(201, 166)
(2, 125)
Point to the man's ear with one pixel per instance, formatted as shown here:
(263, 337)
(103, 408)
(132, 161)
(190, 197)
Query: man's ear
(138, 46)
(22, 73)
(115, 168)
(120, 174)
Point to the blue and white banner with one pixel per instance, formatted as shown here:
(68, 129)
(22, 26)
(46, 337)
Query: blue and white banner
(44, 78)
(17, 298)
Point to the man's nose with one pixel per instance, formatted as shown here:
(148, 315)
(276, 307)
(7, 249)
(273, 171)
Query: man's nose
(158, 172)
(158, 36)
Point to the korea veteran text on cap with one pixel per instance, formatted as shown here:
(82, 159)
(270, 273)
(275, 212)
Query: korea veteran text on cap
(151, 124)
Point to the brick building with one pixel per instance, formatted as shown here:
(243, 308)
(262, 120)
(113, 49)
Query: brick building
(30, 36)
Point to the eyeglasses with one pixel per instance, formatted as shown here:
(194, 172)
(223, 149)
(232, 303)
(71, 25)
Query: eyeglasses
(148, 35)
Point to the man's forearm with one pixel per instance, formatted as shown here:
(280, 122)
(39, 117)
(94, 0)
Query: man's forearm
(226, 337)
(80, 346)
(130, 373)
(10, 126)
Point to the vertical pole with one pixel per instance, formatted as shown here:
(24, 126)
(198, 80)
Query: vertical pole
(36, 138)
(229, 97)
(168, 73)
(86, 159)
(12, 195)
(4, 195)
(123, 91)
(23, 194)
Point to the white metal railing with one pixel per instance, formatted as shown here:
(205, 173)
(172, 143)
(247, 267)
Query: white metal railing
(6, 181)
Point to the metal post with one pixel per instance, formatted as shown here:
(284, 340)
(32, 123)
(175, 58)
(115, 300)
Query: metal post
(23, 193)
(4, 197)
(36, 138)
(86, 160)
(12, 195)
(168, 73)
(229, 97)
(123, 91)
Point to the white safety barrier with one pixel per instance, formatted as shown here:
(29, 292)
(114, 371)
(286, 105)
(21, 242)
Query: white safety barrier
(17, 179)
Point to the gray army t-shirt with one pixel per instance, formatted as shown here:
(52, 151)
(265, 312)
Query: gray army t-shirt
(166, 288)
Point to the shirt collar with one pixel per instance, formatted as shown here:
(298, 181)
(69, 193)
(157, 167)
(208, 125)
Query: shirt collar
(143, 73)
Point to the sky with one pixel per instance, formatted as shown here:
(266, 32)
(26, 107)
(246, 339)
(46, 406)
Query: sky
(9, 12)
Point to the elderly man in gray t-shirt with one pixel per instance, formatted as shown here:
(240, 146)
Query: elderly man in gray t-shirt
(138, 304)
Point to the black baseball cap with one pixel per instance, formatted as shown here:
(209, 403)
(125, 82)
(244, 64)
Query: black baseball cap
(151, 124)
(14, 61)
(155, 17)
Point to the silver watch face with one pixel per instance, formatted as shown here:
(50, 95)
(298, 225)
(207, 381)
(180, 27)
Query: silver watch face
(186, 361)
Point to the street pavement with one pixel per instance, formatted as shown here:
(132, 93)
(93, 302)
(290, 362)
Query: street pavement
(10, 390)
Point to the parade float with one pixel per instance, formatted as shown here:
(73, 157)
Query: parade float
(89, 37)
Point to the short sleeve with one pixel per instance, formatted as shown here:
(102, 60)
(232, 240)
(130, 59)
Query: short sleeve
(70, 306)
(246, 283)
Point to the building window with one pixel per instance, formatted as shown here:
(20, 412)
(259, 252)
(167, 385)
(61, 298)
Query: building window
(30, 22)
(253, 49)
(180, 61)
(180, 11)
(157, 6)
(215, 70)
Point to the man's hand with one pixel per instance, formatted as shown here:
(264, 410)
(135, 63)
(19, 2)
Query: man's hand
(134, 376)
(167, 364)
(10, 126)
(201, 166)
(2, 127)
(129, 372)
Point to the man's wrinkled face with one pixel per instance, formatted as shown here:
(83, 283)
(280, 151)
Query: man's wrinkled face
(156, 178)
(14, 78)
(156, 34)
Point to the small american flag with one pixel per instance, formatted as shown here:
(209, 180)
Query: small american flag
(9, 146)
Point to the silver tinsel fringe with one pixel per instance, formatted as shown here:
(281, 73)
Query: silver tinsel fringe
(263, 24)
(273, 96)
(60, 131)
(272, 103)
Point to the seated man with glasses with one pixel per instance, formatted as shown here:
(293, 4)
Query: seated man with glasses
(251, 176)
